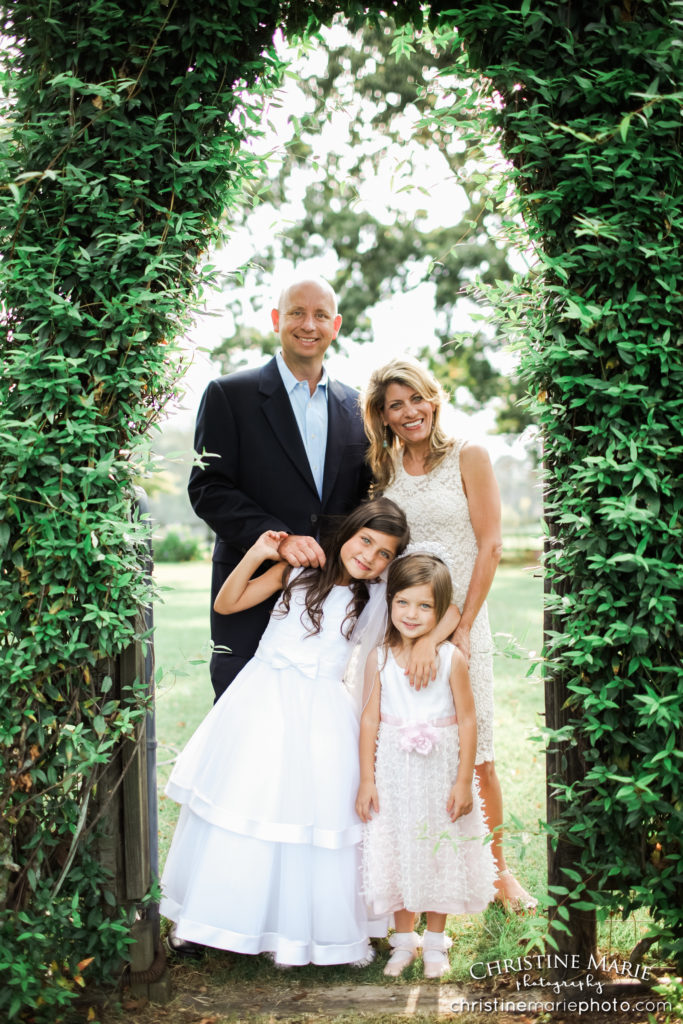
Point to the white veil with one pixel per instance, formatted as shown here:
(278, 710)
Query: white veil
(367, 634)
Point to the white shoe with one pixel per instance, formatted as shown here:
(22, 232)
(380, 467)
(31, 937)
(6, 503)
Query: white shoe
(435, 946)
(405, 946)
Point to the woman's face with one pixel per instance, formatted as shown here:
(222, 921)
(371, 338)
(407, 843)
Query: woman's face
(408, 414)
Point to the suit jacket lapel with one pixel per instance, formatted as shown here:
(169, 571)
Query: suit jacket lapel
(338, 424)
(278, 411)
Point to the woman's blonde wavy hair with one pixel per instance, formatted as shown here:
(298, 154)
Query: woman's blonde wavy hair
(382, 458)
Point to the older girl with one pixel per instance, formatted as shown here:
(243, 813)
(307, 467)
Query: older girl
(265, 854)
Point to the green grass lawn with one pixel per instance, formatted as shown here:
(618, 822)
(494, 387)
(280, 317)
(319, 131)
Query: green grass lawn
(184, 696)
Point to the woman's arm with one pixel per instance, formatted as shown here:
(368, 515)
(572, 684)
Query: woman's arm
(240, 591)
(368, 798)
(460, 796)
(483, 501)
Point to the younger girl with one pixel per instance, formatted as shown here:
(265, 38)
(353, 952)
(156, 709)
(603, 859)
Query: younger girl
(423, 847)
(265, 853)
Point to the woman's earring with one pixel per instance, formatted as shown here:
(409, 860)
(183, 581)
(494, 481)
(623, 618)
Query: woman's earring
(385, 442)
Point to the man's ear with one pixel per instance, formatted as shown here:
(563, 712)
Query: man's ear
(275, 317)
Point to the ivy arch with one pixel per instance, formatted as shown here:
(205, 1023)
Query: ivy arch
(124, 142)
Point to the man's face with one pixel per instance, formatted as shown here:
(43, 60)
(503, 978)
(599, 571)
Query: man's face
(306, 321)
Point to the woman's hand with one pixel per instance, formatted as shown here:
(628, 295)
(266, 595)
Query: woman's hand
(459, 800)
(461, 640)
(423, 662)
(367, 800)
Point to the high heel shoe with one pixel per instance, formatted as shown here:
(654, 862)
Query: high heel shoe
(523, 902)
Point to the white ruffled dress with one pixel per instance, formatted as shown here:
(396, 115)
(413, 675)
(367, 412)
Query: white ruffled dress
(414, 856)
(266, 853)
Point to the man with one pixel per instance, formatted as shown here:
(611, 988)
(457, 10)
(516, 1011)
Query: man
(282, 448)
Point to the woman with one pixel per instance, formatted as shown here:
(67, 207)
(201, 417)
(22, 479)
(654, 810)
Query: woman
(448, 491)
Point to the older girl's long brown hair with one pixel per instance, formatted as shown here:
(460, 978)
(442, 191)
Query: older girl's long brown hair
(379, 514)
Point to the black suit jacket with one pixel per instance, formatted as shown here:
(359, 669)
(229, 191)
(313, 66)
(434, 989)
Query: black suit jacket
(256, 477)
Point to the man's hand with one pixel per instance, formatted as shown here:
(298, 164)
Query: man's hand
(423, 663)
(298, 550)
(367, 800)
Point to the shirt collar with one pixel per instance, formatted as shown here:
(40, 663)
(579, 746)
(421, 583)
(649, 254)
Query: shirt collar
(290, 381)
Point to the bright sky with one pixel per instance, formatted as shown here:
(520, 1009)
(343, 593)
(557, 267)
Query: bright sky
(402, 324)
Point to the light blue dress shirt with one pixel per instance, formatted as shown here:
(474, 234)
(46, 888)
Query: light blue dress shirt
(310, 411)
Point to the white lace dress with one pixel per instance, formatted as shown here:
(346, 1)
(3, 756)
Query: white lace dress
(436, 507)
(414, 856)
(266, 853)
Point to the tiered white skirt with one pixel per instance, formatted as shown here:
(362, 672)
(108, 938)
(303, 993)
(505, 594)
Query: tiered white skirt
(265, 856)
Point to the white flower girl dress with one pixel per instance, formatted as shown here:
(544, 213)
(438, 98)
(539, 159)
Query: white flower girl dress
(265, 857)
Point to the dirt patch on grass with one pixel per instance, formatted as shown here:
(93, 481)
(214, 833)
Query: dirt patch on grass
(295, 1000)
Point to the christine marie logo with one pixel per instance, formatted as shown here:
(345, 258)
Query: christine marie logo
(522, 966)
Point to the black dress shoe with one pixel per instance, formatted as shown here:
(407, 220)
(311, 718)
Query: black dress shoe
(183, 947)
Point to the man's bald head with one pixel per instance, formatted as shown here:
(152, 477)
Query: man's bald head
(307, 321)
(318, 283)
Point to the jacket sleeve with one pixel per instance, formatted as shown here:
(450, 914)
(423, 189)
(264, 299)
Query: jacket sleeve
(214, 486)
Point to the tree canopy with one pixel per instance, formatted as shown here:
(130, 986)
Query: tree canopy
(399, 203)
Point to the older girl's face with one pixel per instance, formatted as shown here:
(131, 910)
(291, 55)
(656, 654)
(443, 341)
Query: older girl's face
(365, 555)
(408, 414)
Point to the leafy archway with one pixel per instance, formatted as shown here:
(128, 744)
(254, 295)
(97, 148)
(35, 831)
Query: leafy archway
(125, 139)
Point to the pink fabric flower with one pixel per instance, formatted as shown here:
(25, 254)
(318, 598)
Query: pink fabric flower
(418, 736)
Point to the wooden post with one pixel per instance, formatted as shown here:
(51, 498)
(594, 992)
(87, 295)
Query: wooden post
(126, 798)
(562, 763)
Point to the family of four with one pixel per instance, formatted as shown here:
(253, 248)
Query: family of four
(314, 808)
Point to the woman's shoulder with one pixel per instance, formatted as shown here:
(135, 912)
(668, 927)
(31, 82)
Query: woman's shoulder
(470, 452)
(465, 456)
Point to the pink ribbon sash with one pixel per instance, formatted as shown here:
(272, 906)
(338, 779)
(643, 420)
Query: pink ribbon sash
(418, 736)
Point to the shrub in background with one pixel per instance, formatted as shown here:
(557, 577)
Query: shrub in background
(178, 544)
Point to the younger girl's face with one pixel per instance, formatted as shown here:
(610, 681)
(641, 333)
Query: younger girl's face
(365, 555)
(412, 611)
